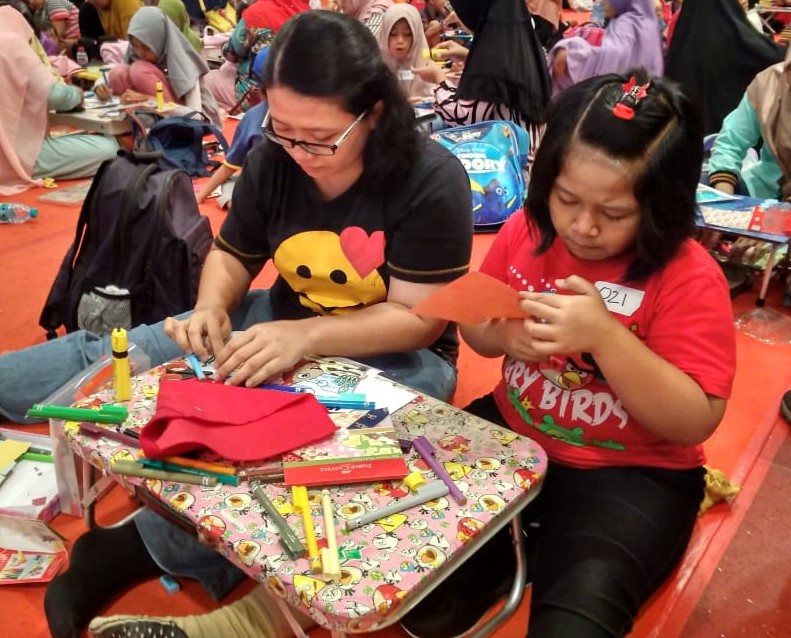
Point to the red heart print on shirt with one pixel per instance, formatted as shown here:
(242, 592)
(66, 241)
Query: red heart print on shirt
(364, 252)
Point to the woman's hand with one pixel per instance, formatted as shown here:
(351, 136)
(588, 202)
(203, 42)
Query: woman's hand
(560, 64)
(261, 352)
(430, 73)
(450, 49)
(204, 332)
(566, 324)
(103, 92)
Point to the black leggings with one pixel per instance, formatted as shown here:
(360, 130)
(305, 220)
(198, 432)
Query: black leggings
(601, 541)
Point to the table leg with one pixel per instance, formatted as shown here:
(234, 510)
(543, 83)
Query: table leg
(770, 264)
(92, 491)
(517, 588)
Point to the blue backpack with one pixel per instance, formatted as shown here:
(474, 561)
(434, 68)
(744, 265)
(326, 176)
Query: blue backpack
(494, 154)
(180, 139)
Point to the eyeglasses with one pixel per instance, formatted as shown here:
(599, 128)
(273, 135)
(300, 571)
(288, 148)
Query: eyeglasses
(313, 148)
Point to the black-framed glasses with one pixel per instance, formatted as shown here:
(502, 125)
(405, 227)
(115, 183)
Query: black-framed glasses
(314, 148)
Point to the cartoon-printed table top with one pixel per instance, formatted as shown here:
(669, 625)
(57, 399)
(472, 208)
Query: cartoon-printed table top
(381, 563)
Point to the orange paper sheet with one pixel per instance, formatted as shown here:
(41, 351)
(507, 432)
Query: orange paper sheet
(473, 298)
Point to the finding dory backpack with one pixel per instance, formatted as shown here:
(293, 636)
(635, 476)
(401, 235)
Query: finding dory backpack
(494, 153)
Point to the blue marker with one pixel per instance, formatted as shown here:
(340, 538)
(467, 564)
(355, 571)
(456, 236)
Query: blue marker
(283, 388)
(345, 404)
(196, 366)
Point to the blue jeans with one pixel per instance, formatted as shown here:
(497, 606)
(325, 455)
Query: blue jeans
(31, 375)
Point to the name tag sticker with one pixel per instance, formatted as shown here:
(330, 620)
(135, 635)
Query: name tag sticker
(406, 74)
(619, 299)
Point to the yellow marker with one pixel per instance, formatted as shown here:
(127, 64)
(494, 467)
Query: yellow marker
(414, 481)
(160, 96)
(330, 565)
(121, 371)
(299, 497)
(433, 54)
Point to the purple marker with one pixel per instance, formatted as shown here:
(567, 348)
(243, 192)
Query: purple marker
(426, 451)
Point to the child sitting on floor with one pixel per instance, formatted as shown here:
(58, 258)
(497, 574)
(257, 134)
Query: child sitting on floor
(620, 369)
(248, 133)
(404, 48)
(159, 52)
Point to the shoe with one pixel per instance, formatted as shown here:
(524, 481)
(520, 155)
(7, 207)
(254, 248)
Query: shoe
(785, 406)
(134, 627)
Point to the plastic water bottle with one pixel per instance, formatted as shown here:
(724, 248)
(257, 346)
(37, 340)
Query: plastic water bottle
(16, 213)
(82, 57)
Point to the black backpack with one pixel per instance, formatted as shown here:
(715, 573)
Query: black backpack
(138, 251)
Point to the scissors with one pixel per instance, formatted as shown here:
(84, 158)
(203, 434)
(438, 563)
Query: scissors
(178, 371)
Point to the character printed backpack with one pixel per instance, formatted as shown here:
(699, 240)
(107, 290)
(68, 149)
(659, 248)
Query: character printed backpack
(138, 251)
(494, 153)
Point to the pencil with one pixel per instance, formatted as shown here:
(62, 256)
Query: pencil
(330, 565)
(299, 496)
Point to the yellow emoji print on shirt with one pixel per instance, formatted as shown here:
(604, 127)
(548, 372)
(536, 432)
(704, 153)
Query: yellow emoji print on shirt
(334, 273)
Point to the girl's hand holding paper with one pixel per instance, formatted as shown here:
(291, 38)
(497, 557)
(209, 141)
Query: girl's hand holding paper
(568, 323)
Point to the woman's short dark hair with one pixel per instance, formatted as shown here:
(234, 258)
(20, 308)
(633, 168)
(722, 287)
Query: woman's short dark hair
(325, 54)
(665, 138)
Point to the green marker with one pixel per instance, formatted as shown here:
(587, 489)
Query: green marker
(36, 456)
(105, 414)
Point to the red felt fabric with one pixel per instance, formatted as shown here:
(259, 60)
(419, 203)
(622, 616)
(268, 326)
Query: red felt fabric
(239, 424)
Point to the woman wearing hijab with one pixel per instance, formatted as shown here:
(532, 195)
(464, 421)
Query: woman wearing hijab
(177, 12)
(505, 76)
(762, 117)
(403, 43)
(158, 52)
(631, 39)
(233, 85)
(32, 89)
(714, 54)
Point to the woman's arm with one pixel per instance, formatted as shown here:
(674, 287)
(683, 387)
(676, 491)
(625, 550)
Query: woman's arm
(740, 131)
(361, 333)
(218, 177)
(224, 281)
(64, 97)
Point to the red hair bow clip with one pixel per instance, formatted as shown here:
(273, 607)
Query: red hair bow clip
(632, 94)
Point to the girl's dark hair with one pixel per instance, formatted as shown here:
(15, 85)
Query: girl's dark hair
(326, 54)
(665, 139)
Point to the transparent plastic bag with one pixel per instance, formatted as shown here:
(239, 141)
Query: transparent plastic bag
(68, 471)
(766, 325)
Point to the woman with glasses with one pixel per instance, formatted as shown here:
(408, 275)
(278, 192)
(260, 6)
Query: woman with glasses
(362, 216)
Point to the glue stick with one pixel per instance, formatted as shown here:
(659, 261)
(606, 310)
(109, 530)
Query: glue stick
(121, 369)
(160, 96)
